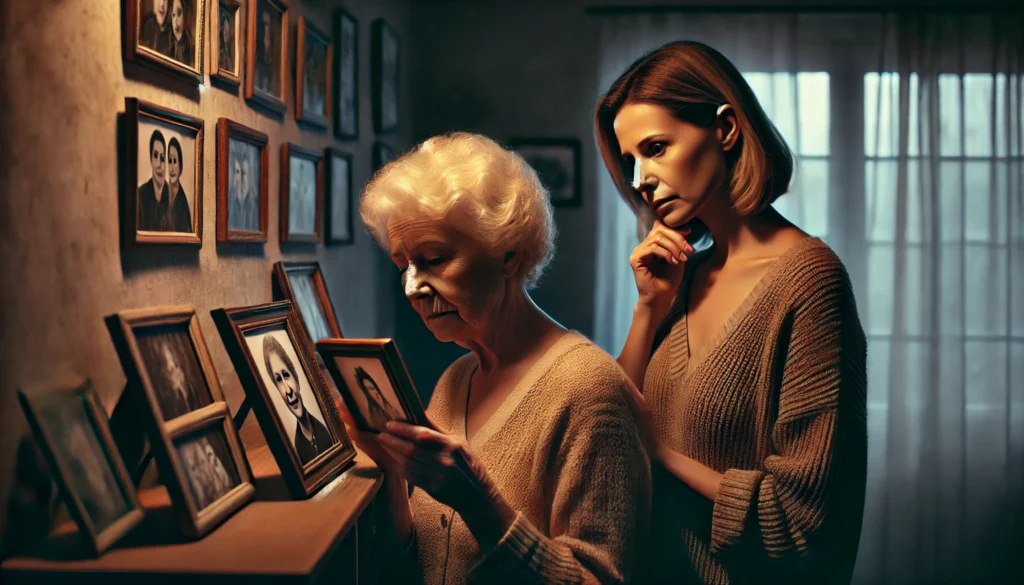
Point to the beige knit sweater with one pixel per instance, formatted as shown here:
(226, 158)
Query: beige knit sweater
(777, 403)
(565, 453)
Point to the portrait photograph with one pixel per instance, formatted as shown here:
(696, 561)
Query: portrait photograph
(164, 176)
(167, 34)
(557, 162)
(267, 54)
(313, 75)
(339, 196)
(303, 284)
(73, 433)
(301, 194)
(346, 76)
(173, 369)
(373, 381)
(207, 462)
(282, 380)
(226, 40)
(384, 57)
(241, 183)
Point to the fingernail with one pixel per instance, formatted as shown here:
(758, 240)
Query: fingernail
(390, 425)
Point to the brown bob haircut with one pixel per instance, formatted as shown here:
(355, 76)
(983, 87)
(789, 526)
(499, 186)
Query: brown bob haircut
(692, 80)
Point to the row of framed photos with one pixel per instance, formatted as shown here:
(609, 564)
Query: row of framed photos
(279, 358)
(164, 183)
(170, 35)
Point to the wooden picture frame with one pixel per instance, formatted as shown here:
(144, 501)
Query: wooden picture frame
(294, 201)
(235, 173)
(339, 199)
(353, 363)
(290, 283)
(557, 162)
(260, 340)
(148, 42)
(142, 209)
(385, 60)
(152, 357)
(260, 69)
(346, 78)
(68, 459)
(223, 67)
(308, 39)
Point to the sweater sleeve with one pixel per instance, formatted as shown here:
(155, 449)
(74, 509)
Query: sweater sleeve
(805, 503)
(599, 484)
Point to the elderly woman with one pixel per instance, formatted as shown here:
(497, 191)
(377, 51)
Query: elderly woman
(534, 471)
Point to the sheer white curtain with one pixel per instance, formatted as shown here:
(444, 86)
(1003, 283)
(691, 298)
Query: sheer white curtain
(909, 134)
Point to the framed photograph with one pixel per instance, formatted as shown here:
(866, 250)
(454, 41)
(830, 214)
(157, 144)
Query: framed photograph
(382, 155)
(73, 434)
(373, 381)
(166, 34)
(165, 357)
(266, 55)
(313, 75)
(557, 162)
(242, 167)
(339, 196)
(384, 70)
(226, 38)
(163, 176)
(303, 284)
(275, 363)
(302, 193)
(346, 76)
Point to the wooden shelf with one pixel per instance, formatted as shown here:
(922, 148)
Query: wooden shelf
(273, 538)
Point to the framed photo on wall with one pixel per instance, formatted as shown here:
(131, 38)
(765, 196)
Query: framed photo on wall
(313, 64)
(373, 382)
(168, 35)
(302, 189)
(346, 76)
(384, 69)
(382, 155)
(227, 37)
(73, 434)
(163, 182)
(282, 380)
(165, 357)
(339, 196)
(303, 284)
(266, 55)
(557, 162)
(242, 168)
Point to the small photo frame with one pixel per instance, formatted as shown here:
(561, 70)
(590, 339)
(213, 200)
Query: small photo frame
(242, 168)
(339, 196)
(73, 434)
(373, 381)
(384, 51)
(167, 35)
(313, 65)
(165, 357)
(557, 162)
(163, 182)
(303, 284)
(266, 56)
(226, 41)
(282, 380)
(302, 190)
(346, 76)
(382, 155)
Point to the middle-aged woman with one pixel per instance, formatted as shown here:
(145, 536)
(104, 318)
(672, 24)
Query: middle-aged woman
(751, 360)
(534, 471)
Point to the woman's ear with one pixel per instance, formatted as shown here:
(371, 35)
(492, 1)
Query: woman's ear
(728, 126)
(511, 265)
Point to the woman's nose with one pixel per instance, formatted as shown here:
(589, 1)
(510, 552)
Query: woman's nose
(415, 285)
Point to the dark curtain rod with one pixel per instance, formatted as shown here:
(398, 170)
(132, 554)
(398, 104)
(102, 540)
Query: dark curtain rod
(999, 8)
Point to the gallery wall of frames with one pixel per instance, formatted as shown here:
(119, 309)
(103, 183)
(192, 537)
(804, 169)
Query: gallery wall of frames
(188, 237)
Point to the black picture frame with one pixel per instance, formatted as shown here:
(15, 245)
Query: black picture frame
(558, 165)
(346, 76)
(385, 67)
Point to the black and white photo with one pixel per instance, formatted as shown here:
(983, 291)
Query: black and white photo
(241, 183)
(557, 162)
(267, 52)
(377, 400)
(207, 463)
(346, 76)
(313, 75)
(301, 194)
(173, 369)
(243, 198)
(167, 34)
(303, 284)
(385, 62)
(228, 24)
(339, 196)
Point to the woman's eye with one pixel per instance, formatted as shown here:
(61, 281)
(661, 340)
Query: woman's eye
(656, 149)
(435, 261)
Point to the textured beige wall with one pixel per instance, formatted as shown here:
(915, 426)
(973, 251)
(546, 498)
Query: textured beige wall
(62, 87)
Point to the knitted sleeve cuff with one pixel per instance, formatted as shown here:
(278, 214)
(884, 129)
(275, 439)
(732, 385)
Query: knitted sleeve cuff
(736, 495)
(525, 555)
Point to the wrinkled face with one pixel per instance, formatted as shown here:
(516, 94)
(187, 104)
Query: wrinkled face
(173, 166)
(286, 384)
(678, 165)
(449, 278)
(178, 19)
(156, 160)
(160, 10)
